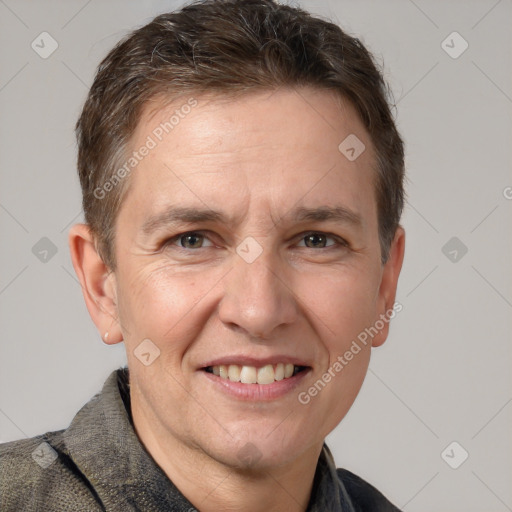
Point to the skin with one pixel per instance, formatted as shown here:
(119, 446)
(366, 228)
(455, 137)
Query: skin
(255, 158)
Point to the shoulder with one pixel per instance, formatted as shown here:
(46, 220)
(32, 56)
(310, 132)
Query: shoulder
(364, 497)
(37, 473)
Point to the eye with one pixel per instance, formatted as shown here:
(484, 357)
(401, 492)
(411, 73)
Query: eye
(316, 240)
(189, 240)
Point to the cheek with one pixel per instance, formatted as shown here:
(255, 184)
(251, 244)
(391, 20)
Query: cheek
(159, 303)
(342, 303)
(349, 307)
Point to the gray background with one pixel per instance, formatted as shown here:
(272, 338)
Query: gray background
(445, 372)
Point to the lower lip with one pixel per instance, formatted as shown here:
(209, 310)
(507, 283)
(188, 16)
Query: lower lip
(257, 392)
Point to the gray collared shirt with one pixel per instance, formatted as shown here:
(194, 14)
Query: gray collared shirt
(99, 464)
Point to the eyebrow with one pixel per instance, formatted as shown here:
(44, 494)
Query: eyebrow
(174, 215)
(328, 213)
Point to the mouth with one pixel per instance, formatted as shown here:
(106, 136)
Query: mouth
(263, 375)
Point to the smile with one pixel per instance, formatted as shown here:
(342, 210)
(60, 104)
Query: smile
(267, 374)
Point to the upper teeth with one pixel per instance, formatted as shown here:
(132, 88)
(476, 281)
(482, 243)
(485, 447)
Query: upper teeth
(252, 375)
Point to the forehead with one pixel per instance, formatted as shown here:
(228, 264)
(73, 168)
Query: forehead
(311, 116)
(278, 145)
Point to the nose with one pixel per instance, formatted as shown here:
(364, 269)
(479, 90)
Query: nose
(257, 297)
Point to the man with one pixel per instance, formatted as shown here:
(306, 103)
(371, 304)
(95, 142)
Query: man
(242, 191)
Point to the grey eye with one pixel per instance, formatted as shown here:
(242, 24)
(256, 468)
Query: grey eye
(191, 240)
(316, 240)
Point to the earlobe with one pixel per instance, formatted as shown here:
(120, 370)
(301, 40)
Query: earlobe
(97, 282)
(388, 285)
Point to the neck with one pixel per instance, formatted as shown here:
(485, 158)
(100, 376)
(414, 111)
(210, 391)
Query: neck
(211, 485)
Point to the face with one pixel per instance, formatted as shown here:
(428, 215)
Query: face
(247, 248)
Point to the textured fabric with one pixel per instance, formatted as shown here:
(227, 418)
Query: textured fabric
(99, 464)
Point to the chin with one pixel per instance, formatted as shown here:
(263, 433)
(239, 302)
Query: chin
(259, 450)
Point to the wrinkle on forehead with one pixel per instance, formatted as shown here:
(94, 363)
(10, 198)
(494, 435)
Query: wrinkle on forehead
(261, 152)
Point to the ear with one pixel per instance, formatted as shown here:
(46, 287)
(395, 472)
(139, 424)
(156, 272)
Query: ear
(388, 284)
(98, 283)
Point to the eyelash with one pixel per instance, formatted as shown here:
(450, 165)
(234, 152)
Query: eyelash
(340, 242)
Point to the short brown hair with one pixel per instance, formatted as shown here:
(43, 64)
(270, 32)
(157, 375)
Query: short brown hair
(228, 47)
